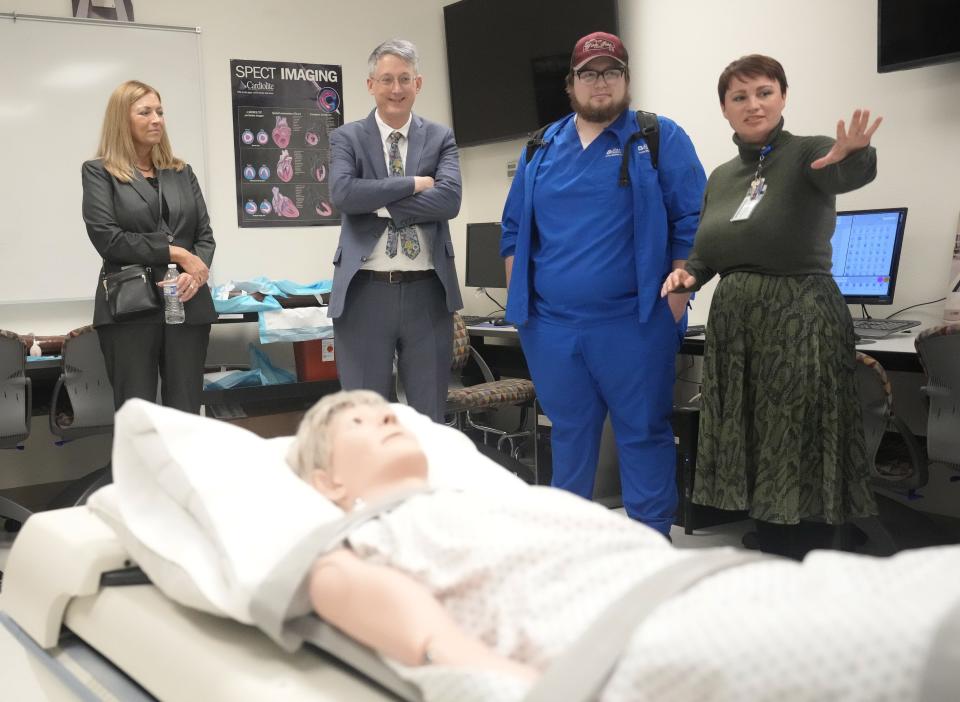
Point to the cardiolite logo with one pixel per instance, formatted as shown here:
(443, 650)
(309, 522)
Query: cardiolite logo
(596, 44)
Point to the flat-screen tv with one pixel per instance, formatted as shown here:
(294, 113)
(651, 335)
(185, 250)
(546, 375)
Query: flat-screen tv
(866, 254)
(507, 61)
(914, 33)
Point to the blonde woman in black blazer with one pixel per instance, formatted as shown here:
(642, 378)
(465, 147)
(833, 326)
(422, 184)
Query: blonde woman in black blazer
(128, 223)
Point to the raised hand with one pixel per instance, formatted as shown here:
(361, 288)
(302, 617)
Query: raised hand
(679, 280)
(849, 141)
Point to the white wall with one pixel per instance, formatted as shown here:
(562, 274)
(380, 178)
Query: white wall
(678, 49)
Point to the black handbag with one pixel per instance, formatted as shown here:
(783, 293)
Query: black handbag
(130, 292)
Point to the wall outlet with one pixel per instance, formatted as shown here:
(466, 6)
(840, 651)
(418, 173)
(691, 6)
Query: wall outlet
(511, 168)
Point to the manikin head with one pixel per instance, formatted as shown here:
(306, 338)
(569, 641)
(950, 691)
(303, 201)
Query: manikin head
(351, 448)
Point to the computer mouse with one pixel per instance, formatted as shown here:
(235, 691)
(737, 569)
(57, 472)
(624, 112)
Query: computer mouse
(499, 322)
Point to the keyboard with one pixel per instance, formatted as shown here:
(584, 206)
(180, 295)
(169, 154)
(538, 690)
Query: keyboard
(879, 328)
(471, 320)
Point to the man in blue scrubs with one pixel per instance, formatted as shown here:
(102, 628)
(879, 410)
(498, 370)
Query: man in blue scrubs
(586, 254)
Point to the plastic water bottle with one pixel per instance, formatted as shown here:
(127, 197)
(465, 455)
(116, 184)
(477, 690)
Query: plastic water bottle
(172, 304)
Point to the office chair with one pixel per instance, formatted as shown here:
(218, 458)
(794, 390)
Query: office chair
(464, 401)
(15, 409)
(901, 466)
(939, 351)
(82, 405)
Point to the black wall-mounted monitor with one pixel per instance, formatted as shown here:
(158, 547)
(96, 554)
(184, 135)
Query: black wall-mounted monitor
(485, 267)
(914, 33)
(866, 254)
(507, 61)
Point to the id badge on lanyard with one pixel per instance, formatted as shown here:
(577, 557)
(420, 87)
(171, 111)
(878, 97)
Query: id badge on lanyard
(756, 191)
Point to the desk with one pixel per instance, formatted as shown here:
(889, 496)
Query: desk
(265, 399)
(500, 347)
(895, 353)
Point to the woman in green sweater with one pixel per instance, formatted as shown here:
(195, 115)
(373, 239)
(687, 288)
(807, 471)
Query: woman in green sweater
(780, 427)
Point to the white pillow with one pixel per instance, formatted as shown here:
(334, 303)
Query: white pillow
(453, 461)
(177, 583)
(211, 496)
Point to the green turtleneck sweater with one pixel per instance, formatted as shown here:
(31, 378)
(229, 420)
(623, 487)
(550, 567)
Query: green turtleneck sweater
(789, 231)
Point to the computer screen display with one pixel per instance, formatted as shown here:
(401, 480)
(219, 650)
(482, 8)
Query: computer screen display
(484, 264)
(866, 253)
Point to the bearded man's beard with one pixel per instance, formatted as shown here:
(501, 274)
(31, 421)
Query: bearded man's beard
(599, 114)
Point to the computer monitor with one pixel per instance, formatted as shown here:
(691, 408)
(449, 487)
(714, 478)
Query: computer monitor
(484, 265)
(866, 254)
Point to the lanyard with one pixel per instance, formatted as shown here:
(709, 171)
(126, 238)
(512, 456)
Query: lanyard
(763, 152)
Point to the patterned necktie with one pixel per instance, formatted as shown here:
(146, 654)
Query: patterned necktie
(407, 235)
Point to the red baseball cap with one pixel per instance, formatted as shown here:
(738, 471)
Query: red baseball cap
(595, 45)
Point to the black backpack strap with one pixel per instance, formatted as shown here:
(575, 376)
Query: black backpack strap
(649, 130)
(536, 141)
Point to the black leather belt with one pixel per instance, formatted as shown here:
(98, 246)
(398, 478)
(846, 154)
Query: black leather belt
(395, 276)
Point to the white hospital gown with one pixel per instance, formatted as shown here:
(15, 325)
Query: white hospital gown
(528, 570)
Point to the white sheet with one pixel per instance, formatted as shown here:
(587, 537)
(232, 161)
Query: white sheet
(528, 573)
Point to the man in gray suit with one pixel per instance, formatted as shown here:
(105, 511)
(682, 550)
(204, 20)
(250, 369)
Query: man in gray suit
(395, 177)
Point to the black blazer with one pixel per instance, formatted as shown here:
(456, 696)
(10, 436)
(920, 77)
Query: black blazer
(121, 221)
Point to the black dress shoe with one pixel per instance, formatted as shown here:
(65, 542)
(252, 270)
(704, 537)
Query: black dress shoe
(751, 541)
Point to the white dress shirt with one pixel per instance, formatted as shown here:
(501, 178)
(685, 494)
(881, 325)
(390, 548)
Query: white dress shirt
(378, 259)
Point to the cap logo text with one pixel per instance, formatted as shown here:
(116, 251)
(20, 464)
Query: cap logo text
(598, 44)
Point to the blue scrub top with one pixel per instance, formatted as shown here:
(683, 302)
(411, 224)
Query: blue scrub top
(584, 270)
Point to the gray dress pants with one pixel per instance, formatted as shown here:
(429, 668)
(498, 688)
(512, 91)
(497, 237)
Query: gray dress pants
(411, 320)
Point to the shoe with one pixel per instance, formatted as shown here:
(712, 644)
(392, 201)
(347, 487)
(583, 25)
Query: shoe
(751, 541)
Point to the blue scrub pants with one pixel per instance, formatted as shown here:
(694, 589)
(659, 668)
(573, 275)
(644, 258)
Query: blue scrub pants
(626, 367)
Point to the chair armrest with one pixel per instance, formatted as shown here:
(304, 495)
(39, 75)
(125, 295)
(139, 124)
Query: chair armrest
(918, 458)
(55, 428)
(28, 391)
(934, 391)
(484, 368)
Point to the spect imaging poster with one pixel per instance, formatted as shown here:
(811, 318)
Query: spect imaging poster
(283, 114)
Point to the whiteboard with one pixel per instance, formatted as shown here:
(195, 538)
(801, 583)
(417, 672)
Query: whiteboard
(56, 78)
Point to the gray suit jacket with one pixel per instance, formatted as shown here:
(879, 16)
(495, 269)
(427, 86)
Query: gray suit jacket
(121, 221)
(360, 185)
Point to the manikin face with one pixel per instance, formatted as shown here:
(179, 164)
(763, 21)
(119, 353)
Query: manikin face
(394, 86)
(146, 122)
(753, 107)
(370, 452)
(602, 101)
